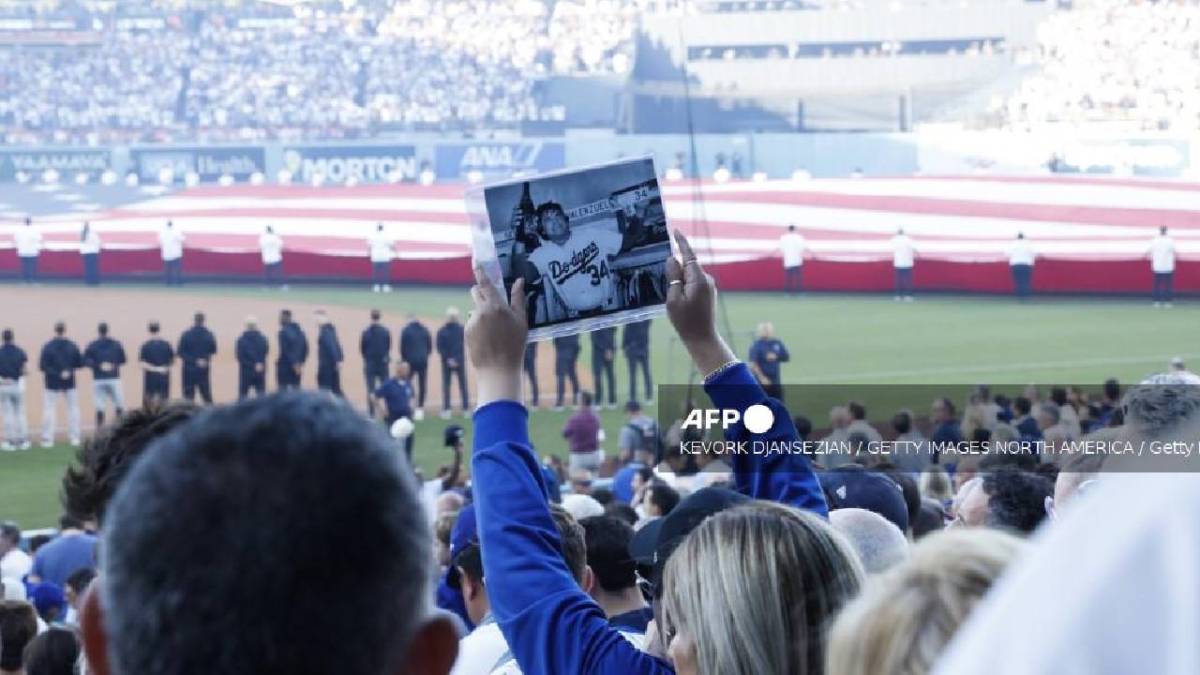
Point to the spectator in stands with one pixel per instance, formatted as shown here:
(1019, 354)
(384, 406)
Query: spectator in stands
(329, 355)
(877, 542)
(900, 624)
(930, 519)
(604, 353)
(582, 505)
(196, 348)
(13, 367)
(50, 602)
(381, 250)
(859, 424)
(614, 572)
(582, 431)
(415, 346)
(791, 245)
(935, 484)
(485, 650)
(59, 360)
(1050, 424)
(635, 342)
(54, 652)
(852, 487)
(638, 445)
(293, 352)
(77, 585)
(18, 627)
(767, 354)
(1007, 499)
(449, 341)
(72, 550)
(375, 346)
(1028, 428)
(14, 563)
(622, 512)
(912, 446)
(945, 419)
(660, 500)
(531, 593)
(904, 254)
(1020, 261)
(566, 356)
(217, 476)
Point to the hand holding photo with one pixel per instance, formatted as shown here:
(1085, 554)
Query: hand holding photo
(591, 245)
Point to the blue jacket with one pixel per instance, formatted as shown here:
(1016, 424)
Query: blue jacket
(450, 342)
(550, 624)
(376, 348)
(293, 346)
(196, 343)
(416, 344)
(104, 350)
(12, 361)
(252, 350)
(60, 355)
(329, 348)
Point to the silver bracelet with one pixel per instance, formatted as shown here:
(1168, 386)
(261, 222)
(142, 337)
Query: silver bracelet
(722, 368)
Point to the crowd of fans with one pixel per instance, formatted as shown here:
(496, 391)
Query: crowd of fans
(430, 65)
(286, 534)
(1113, 61)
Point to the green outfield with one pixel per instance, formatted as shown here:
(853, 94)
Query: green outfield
(834, 339)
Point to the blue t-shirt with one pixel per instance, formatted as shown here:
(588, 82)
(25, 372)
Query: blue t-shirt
(64, 556)
(622, 482)
(397, 394)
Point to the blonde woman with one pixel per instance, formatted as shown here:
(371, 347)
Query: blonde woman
(754, 589)
(901, 624)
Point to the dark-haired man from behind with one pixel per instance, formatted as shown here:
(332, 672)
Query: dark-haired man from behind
(416, 344)
(155, 357)
(105, 356)
(196, 348)
(329, 355)
(59, 360)
(251, 350)
(375, 346)
(293, 352)
(215, 475)
(615, 574)
(13, 365)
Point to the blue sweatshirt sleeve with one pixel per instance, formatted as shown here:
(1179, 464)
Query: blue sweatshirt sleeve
(550, 624)
(785, 477)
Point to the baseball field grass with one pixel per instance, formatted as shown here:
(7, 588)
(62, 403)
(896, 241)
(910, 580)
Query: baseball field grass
(833, 339)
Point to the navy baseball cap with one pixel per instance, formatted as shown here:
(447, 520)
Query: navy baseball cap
(853, 488)
(453, 435)
(657, 539)
(464, 535)
(46, 596)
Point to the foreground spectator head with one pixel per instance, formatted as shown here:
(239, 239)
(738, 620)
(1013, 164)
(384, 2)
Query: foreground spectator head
(1008, 499)
(932, 518)
(661, 499)
(851, 487)
(781, 576)
(880, 545)
(614, 571)
(104, 460)
(54, 652)
(901, 623)
(292, 491)
(582, 506)
(935, 484)
(18, 626)
(50, 602)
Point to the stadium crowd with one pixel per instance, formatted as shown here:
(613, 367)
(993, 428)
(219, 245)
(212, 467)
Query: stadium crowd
(1113, 61)
(285, 534)
(437, 65)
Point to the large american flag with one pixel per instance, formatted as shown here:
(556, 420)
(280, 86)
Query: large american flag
(960, 218)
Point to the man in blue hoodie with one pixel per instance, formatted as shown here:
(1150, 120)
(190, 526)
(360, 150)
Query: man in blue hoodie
(550, 624)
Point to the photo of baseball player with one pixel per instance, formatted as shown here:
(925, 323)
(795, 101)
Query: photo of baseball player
(593, 243)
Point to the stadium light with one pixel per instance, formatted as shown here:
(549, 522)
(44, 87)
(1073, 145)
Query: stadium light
(284, 177)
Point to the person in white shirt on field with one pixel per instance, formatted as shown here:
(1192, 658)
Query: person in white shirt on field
(1162, 263)
(382, 251)
(792, 246)
(29, 245)
(170, 241)
(271, 245)
(904, 253)
(89, 249)
(1020, 261)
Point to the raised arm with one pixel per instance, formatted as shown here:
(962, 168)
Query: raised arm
(550, 624)
(785, 477)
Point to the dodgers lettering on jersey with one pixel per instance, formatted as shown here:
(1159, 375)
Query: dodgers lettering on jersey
(579, 269)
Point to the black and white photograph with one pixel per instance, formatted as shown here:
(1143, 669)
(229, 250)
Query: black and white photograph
(590, 244)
